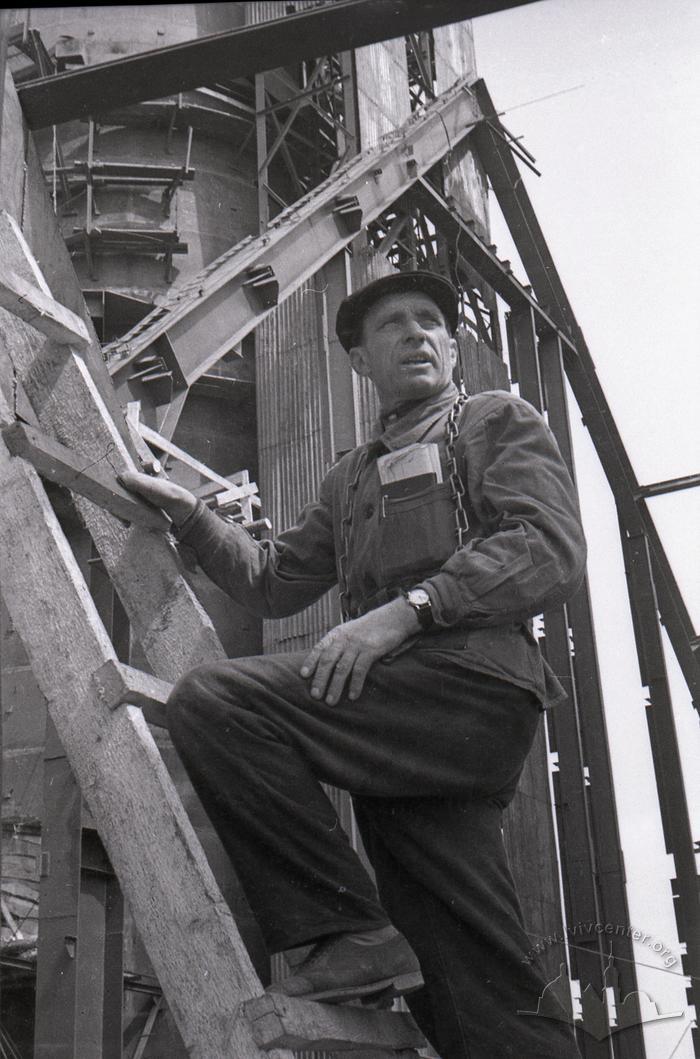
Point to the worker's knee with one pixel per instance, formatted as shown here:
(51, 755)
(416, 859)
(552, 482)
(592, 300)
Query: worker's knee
(190, 697)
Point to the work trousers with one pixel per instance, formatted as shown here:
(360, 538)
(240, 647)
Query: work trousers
(431, 753)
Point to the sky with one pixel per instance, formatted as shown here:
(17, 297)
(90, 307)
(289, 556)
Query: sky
(617, 145)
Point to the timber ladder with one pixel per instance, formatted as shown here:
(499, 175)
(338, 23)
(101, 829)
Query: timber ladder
(61, 422)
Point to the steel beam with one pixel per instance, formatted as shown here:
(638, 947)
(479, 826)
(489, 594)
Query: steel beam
(609, 866)
(671, 485)
(668, 769)
(340, 26)
(217, 308)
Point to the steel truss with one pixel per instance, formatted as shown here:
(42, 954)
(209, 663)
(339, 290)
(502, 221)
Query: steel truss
(548, 344)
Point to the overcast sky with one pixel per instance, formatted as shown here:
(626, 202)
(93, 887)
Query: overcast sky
(618, 202)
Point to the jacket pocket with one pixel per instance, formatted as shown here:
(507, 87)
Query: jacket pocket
(417, 534)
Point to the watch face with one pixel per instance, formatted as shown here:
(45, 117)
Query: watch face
(418, 597)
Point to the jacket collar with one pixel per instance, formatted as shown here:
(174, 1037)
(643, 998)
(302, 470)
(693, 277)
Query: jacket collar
(413, 421)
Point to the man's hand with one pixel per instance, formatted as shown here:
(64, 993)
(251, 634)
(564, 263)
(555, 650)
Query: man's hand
(176, 501)
(345, 654)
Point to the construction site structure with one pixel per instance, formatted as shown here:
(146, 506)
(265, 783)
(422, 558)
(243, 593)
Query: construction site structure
(188, 192)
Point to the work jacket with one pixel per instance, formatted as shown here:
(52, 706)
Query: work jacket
(524, 552)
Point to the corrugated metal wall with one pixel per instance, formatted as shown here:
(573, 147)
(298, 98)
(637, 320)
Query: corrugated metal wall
(294, 443)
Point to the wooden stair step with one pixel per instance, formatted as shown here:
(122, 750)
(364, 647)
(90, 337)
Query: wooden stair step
(118, 684)
(31, 304)
(88, 477)
(279, 1021)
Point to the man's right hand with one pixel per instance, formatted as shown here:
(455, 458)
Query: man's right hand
(174, 499)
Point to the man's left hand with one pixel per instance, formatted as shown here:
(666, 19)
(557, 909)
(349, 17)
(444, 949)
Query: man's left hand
(345, 654)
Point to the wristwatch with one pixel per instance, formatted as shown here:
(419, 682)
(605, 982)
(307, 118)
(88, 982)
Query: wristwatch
(419, 599)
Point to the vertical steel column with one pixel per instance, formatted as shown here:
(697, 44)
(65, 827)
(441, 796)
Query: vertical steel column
(668, 768)
(261, 151)
(610, 862)
(648, 600)
(574, 826)
(594, 877)
(347, 140)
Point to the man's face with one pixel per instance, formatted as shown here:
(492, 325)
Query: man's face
(405, 348)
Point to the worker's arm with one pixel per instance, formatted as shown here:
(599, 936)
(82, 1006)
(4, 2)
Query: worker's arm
(279, 577)
(531, 552)
(270, 578)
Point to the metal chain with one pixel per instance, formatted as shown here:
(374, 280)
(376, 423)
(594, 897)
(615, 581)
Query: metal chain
(455, 480)
(457, 494)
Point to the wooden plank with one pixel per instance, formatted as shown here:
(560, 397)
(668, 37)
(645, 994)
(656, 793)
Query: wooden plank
(81, 475)
(41, 311)
(165, 445)
(189, 932)
(289, 1022)
(117, 684)
(59, 905)
(168, 621)
(37, 275)
(209, 488)
(148, 461)
(11, 173)
(238, 492)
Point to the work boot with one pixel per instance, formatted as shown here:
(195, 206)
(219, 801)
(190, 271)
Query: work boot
(371, 966)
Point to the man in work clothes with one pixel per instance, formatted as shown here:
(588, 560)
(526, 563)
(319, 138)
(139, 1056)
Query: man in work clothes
(423, 703)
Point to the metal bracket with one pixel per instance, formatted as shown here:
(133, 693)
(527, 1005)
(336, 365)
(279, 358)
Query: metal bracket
(348, 211)
(262, 284)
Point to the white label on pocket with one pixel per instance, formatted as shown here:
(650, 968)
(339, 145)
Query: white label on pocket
(409, 462)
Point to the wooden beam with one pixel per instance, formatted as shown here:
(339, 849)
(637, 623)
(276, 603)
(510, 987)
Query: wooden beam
(190, 935)
(238, 492)
(118, 684)
(233, 492)
(168, 621)
(148, 461)
(41, 311)
(288, 1022)
(81, 475)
